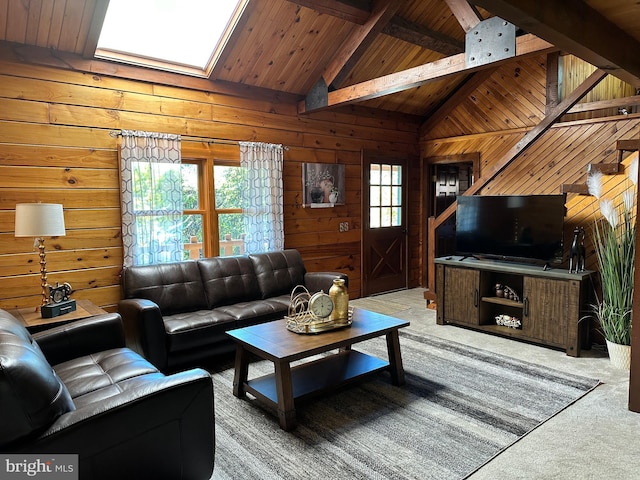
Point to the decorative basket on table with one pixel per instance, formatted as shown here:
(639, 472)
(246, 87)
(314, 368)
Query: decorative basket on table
(314, 313)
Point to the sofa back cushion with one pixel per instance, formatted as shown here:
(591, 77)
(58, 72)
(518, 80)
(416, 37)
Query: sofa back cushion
(174, 287)
(278, 272)
(32, 394)
(228, 280)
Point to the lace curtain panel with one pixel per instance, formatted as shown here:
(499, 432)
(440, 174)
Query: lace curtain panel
(152, 204)
(262, 205)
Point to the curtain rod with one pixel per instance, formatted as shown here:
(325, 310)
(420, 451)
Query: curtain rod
(187, 138)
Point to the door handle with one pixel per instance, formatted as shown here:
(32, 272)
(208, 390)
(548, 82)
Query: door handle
(475, 297)
(526, 307)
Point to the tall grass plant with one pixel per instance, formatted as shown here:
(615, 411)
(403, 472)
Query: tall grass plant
(614, 237)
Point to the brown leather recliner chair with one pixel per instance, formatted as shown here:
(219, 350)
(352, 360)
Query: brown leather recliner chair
(76, 389)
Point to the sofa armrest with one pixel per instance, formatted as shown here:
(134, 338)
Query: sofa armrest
(163, 429)
(144, 330)
(316, 281)
(81, 337)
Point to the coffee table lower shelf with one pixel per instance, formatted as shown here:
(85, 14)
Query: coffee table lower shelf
(319, 376)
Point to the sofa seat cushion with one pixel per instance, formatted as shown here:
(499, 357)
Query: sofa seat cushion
(101, 375)
(256, 312)
(197, 329)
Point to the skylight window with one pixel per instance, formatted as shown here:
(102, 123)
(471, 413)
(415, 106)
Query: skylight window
(185, 36)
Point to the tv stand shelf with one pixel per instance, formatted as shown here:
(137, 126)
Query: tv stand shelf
(550, 302)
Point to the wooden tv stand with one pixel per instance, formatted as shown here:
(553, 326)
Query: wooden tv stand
(550, 303)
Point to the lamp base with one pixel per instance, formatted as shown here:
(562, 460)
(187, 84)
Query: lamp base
(57, 309)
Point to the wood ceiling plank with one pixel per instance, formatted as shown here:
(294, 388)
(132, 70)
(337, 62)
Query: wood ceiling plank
(4, 17)
(575, 27)
(44, 24)
(55, 26)
(17, 14)
(31, 34)
(70, 30)
(358, 42)
(417, 76)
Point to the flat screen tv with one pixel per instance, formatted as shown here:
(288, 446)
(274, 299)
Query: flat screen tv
(511, 227)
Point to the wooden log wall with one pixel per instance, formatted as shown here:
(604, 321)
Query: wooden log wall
(57, 145)
(514, 96)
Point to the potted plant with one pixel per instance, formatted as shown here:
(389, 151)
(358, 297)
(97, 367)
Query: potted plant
(614, 236)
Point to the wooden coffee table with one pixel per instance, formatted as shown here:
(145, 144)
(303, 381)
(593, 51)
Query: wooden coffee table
(272, 341)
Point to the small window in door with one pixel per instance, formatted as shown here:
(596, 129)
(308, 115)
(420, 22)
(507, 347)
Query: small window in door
(385, 195)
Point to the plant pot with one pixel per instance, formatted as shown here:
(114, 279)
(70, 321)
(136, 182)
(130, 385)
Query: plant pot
(619, 355)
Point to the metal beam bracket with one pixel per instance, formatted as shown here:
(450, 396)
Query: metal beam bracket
(318, 97)
(491, 40)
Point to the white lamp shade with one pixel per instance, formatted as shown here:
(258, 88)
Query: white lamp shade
(39, 220)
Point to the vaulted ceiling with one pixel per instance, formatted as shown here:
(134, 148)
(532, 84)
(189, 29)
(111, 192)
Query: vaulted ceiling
(397, 55)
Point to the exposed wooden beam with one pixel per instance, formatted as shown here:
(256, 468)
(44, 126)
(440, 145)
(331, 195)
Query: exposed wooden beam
(417, 76)
(467, 15)
(355, 12)
(99, 13)
(358, 42)
(528, 140)
(575, 27)
(359, 12)
(424, 37)
(553, 74)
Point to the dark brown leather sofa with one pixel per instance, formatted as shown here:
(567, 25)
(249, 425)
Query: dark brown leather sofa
(75, 389)
(180, 312)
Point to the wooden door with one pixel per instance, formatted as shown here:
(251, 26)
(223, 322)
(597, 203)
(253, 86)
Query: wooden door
(449, 181)
(461, 295)
(545, 310)
(384, 219)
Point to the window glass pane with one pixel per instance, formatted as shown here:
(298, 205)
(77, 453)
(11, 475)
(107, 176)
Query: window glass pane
(227, 181)
(374, 175)
(190, 193)
(374, 217)
(374, 196)
(155, 239)
(157, 186)
(385, 175)
(385, 216)
(386, 196)
(192, 236)
(396, 216)
(231, 229)
(396, 175)
(396, 197)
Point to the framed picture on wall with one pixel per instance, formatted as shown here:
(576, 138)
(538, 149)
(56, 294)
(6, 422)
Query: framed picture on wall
(323, 184)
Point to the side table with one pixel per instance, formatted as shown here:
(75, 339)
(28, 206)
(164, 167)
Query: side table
(34, 322)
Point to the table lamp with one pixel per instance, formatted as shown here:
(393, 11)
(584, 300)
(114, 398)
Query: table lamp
(40, 220)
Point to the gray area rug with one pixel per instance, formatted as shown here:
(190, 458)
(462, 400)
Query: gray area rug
(460, 407)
